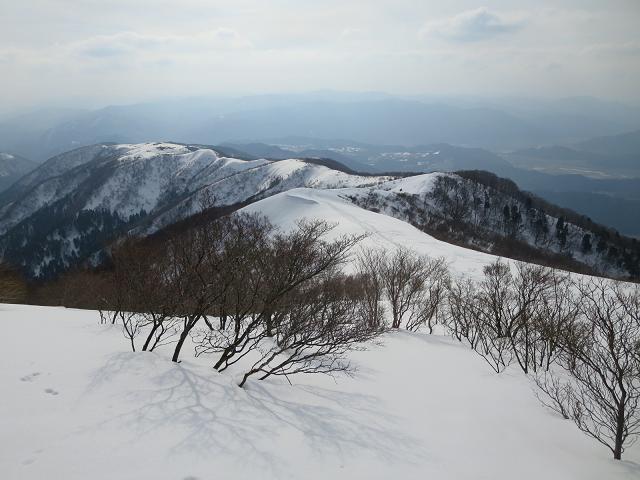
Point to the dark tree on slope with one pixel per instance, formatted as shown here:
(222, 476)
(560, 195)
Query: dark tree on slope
(561, 232)
(453, 197)
(586, 243)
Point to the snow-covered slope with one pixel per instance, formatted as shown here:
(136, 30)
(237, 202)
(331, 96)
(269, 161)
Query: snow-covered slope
(386, 211)
(70, 208)
(77, 202)
(125, 179)
(383, 231)
(77, 405)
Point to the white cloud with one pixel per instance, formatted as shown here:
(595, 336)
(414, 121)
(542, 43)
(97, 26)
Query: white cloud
(631, 49)
(125, 50)
(131, 43)
(474, 25)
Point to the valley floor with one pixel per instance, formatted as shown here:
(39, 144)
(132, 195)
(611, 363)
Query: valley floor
(76, 404)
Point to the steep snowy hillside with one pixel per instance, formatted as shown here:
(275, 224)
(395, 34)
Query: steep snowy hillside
(482, 211)
(420, 406)
(464, 212)
(75, 203)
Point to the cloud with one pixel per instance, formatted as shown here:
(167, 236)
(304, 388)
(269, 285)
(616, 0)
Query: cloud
(625, 49)
(131, 43)
(474, 25)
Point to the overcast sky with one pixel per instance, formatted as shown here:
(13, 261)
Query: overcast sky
(114, 51)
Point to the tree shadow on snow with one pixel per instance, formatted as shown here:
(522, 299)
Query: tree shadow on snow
(197, 410)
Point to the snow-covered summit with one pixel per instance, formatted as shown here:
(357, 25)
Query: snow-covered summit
(138, 186)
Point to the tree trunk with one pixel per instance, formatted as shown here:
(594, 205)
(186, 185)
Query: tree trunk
(617, 450)
(269, 325)
(188, 325)
(176, 352)
(149, 337)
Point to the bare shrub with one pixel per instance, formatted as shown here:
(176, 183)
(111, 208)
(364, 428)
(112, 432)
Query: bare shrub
(601, 393)
(469, 321)
(429, 302)
(268, 288)
(317, 326)
(403, 275)
(371, 284)
(206, 260)
(462, 318)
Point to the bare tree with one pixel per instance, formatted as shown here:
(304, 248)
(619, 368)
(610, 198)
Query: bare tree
(510, 306)
(403, 277)
(372, 287)
(469, 321)
(462, 317)
(266, 285)
(318, 326)
(600, 354)
(428, 305)
(206, 259)
(144, 290)
(530, 287)
(556, 315)
(121, 302)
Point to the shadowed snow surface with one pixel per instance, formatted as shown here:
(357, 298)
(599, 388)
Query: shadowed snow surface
(77, 405)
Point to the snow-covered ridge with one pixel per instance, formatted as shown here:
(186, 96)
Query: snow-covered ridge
(383, 231)
(138, 186)
(76, 203)
(143, 176)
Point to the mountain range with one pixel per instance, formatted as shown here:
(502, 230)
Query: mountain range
(375, 118)
(70, 209)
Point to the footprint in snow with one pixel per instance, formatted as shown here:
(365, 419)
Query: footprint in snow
(51, 391)
(30, 378)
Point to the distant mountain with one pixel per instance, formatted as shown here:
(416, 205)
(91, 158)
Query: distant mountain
(372, 118)
(623, 145)
(391, 121)
(604, 156)
(572, 118)
(23, 133)
(12, 167)
(371, 158)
